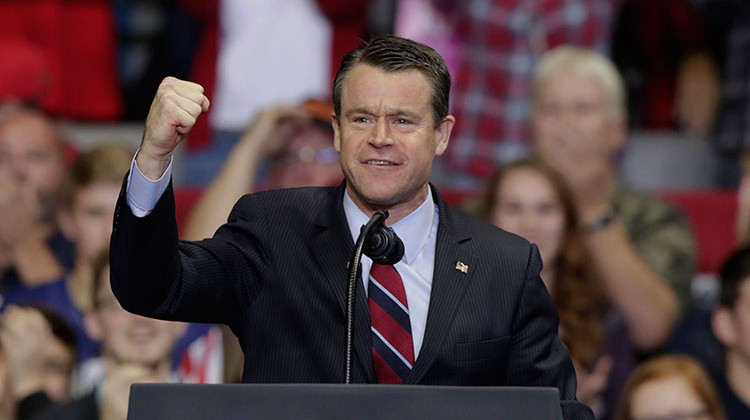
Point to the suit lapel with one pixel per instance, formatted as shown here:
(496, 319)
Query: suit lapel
(448, 286)
(333, 247)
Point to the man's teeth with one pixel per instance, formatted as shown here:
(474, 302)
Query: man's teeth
(378, 162)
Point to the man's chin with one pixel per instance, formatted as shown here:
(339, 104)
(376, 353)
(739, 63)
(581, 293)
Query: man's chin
(381, 200)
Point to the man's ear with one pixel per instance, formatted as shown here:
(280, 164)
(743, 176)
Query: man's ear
(93, 324)
(722, 324)
(443, 134)
(336, 132)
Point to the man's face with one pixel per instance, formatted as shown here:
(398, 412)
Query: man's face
(387, 137)
(30, 153)
(129, 338)
(574, 126)
(91, 218)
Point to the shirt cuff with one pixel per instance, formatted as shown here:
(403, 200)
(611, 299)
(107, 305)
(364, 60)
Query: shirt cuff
(142, 193)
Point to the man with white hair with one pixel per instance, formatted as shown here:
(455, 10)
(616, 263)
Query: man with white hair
(642, 247)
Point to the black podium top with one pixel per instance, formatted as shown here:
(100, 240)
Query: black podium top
(339, 402)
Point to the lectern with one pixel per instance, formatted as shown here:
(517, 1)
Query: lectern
(339, 402)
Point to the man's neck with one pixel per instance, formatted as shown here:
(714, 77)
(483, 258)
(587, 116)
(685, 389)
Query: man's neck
(395, 212)
(738, 372)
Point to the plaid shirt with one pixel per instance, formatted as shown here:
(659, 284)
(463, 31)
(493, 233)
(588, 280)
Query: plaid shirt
(502, 40)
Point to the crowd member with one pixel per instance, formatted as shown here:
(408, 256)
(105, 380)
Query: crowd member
(670, 387)
(500, 43)
(527, 197)
(85, 213)
(134, 348)
(296, 142)
(39, 349)
(86, 208)
(663, 51)
(238, 63)
(32, 168)
(272, 271)
(642, 247)
(731, 325)
(729, 21)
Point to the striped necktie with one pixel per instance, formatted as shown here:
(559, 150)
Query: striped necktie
(392, 346)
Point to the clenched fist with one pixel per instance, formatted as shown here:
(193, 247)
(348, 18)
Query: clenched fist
(176, 107)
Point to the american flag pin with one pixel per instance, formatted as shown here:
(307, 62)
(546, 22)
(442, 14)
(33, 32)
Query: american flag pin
(462, 267)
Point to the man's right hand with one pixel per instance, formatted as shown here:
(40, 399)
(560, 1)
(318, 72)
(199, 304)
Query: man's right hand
(175, 108)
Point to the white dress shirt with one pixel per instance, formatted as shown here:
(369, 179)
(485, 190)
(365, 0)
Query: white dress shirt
(418, 231)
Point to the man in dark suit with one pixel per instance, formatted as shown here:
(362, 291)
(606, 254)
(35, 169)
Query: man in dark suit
(471, 302)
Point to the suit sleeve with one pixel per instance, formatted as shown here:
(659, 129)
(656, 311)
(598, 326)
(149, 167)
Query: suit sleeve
(538, 357)
(155, 274)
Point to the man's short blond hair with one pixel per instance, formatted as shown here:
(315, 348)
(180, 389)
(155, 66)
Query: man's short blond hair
(107, 162)
(587, 63)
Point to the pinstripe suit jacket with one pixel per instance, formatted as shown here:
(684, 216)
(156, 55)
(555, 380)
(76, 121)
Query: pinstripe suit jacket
(276, 273)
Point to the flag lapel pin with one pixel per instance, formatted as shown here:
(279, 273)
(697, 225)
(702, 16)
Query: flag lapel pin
(462, 267)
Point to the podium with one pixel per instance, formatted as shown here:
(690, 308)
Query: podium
(339, 402)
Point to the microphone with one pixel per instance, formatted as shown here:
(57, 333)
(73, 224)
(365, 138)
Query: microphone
(383, 246)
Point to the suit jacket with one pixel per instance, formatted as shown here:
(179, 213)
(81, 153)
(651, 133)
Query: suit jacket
(276, 273)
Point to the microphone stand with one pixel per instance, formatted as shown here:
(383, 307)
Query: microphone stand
(384, 247)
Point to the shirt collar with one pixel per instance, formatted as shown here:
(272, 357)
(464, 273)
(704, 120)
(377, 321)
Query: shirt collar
(412, 229)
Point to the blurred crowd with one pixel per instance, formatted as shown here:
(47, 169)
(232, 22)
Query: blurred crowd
(545, 94)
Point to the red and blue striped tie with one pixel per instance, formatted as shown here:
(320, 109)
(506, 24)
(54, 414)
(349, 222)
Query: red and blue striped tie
(392, 346)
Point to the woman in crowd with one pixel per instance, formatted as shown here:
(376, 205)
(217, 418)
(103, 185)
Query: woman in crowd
(528, 198)
(673, 387)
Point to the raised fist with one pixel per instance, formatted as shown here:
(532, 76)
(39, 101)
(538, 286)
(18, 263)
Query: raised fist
(173, 113)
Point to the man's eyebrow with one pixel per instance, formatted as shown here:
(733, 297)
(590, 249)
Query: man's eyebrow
(360, 110)
(404, 112)
(389, 112)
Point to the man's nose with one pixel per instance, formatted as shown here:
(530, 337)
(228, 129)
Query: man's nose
(381, 133)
